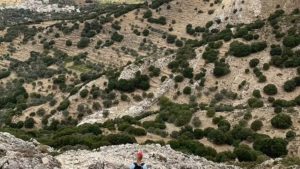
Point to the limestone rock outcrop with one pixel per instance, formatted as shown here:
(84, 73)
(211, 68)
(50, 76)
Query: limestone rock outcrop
(18, 154)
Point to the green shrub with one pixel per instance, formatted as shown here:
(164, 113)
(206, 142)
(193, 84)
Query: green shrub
(278, 109)
(161, 20)
(117, 139)
(210, 55)
(198, 133)
(283, 103)
(224, 125)
(187, 90)
(289, 85)
(179, 114)
(196, 122)
(63, 105)
(239, 49)
(179, 78)
(256, 125)
(253, 62)
(215, 45)
(129, 85)
(189, 29)
(4, 73)
(221, 69)
(154, 72)
(83, 42)
(258, 24)
(256, 93)
(188, 72)
(171, 39)
(266, 66)
(179, 43)
(157, 3)
(194, 147)
(281, 121)
(255, 103)
(245, 153)
(297, 100)
(146, 32)
(148, 14)
(157, 131)
(290, 135)
(225, 156)
(275, 15)
(241, 32)
(209, 24)
(270, 89)
(117, 37)
(262, 78)
(291, 41)
(154, 124)
(29, 123)
(241, 133)
(84, 93)
(210, 112)
(216, 120)
(121, 10)
(276, 51)
(274, 148)
(69, 43)
(199, 29)
(136, 131)
(258, 46)
(41, 112)
(217, 137)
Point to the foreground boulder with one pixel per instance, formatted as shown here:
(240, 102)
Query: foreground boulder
(18, 154)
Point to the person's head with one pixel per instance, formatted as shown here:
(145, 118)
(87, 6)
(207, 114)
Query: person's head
(139, 155)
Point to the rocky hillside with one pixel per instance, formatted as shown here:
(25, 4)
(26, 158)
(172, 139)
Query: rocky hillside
(218, 79)
(16, 153)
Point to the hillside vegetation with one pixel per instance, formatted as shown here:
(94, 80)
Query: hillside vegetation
(188, 73)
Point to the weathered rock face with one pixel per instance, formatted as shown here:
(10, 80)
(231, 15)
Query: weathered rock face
(18, 154)
(121, 156)
(241, 11)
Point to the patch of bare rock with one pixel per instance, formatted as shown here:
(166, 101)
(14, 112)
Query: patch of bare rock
(16, 153)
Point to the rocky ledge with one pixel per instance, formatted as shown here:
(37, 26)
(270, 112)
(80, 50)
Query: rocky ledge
(18, 154)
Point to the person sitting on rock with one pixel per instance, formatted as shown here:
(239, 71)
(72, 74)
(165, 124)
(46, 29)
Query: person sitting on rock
(138, 164)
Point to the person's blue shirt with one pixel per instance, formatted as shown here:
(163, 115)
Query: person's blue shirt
(132, 166)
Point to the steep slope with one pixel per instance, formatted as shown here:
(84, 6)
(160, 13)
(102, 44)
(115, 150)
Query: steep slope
(210, 78)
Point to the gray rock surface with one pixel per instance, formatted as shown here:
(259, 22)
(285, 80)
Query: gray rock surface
(18, 154)
(121, 156)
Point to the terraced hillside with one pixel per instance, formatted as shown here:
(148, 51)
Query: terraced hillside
(218, 79)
